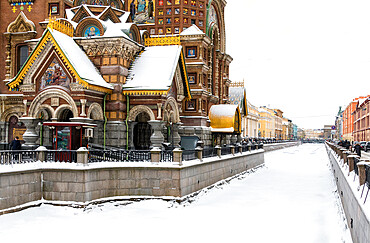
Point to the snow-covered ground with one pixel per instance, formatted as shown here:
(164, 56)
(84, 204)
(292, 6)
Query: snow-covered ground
(292, 198)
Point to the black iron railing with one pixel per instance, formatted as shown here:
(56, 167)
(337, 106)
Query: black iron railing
(166, 156)
(17, 156)
(61, 156)
(189, 155)
(355, 161)
(209, 152)
(225, 150)
(119, 155)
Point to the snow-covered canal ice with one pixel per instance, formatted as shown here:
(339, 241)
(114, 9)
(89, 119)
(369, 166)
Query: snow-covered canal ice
(292, 198)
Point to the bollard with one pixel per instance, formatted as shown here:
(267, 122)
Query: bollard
(41, 153)
(82, 155)
(155, 154)
(199, 151)
(362, 170)
(341, 151)
(177, 156)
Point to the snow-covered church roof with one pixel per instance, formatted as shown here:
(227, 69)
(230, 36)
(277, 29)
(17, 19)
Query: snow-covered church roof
(74, 58)
(192, 30)
(154, 69)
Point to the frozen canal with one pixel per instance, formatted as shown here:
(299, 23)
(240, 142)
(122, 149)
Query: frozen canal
(291, 199)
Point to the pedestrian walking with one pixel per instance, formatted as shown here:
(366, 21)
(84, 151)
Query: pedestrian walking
(358, 149)
(15, 144)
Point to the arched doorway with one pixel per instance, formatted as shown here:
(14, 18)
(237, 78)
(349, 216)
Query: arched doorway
(15, 129)
(142, 132)
(65, 115)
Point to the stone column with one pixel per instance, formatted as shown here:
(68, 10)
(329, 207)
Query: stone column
(176, 137)
(41, 153)
(82, 156)
(218, 151)
(83, 106)
(131, 126)
(199, 151)
(232, 148)
(155, 154)
(30, 136)
(177, 156)
(157, 137)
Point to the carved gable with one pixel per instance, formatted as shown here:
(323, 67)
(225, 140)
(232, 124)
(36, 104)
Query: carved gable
(21, 24)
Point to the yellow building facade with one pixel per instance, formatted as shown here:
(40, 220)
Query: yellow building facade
(266, 123)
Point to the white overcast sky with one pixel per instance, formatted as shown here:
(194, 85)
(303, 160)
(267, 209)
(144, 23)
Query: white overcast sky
(305, 57)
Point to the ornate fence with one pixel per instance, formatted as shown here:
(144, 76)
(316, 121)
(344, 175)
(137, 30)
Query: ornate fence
(17, 156)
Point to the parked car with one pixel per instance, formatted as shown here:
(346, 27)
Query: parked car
(362, 144)
(367, 147)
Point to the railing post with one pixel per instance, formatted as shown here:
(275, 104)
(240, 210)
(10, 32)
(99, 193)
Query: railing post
(240, 148)
(362, 170)
(155, 154)
(177, 156)
(41, 153)
(82, 155)
(218, 151)
(351, 161)
(232, 148)
(199, 151)
(345, 156)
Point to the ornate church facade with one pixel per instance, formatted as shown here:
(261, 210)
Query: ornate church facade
(137, 73)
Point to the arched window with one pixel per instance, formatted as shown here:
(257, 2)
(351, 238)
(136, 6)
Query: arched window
(22, 55)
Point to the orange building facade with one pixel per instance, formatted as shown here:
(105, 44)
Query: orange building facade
(361, 125)
(348, 119)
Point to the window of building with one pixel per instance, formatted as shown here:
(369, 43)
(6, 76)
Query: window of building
(177, 30)
(177, 11)
(185, 1)
(177, 20)
(193, 12)
(54, 8)
(168, 20)
(193, 21)
(160, 11)
(169, 11)
(192, 77)
(160, 21)
(160, 2)
(22, 55)
(168, 30)
(193, 3)
(186, 11)
(191, 52)
(190, 105)
(169, 2)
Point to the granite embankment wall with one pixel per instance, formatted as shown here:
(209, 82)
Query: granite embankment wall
(275, 146)
(98, 181)
(77, 183)
(357, 220)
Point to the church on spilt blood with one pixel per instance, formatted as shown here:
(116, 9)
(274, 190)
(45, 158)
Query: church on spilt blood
(132, 74)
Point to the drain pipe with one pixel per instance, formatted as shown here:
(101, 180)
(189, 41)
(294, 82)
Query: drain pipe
(105, 118)
(128, 111)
